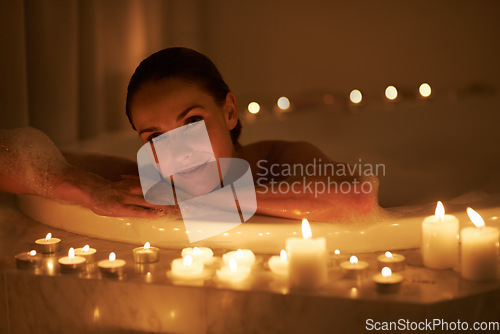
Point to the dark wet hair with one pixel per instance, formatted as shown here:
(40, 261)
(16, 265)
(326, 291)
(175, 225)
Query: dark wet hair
(181, 63)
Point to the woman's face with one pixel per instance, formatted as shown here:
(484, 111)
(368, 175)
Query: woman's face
(158, 107)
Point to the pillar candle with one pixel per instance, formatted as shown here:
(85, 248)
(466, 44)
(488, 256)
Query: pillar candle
(440, 240)
(307, 260)
(479, 252)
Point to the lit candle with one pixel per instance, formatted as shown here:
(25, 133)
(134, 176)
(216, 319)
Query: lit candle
(146, 254)
(86, 252)
(354, 269)
(244, 257)
(396, 262)
(203, 254)
(479, 251)
(111, 267)
(71, 262)
(186, 268)
(279, 264)
(386, 281)
(440, 240)
(233, 273)
(48, 244)
(28, 260)
(307, 260)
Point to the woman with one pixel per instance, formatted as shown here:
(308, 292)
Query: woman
(179, 86)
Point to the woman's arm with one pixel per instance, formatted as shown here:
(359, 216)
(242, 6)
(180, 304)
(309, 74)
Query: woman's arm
(30, 163)
(296, 180)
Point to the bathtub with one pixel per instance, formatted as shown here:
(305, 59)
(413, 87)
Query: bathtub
(442, 152)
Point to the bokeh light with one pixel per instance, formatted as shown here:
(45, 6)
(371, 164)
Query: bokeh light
(283, 103)
(355, 96)
(425, 90)
(391, 93)
(253, 107)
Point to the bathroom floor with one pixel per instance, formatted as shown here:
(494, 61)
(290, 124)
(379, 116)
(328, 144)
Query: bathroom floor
(147, 300)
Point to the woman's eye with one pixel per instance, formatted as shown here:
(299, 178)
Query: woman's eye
(193, 119)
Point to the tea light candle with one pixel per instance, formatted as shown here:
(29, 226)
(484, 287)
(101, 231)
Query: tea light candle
(203, 254)
(440, 240)
(479, 251)
(86, 252)
(354, 269)
(48, 244)
(233, 273)
(28, 260)
(386, 281)
(71, 262)
(307, 260)
(146, 254)
(186, 268)
(279, 264)
(244, 257)
(396, 262)
(111, 267)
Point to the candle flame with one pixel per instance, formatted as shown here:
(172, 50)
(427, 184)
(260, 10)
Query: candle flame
(147, 245)
(353, 259)
(336, 252)
(71, 252)
(306, 229)
(86, 248)
(187, 260)
(439, 210)
(283, 255)
(233, 265)
(388, 254)
(112, 256)
(48, 236)
(386, 272)
(239, 253)
(476, 219)
(196, 251)
(33, 252)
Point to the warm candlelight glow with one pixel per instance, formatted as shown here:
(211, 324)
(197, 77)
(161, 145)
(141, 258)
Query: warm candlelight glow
(283, 103)
(86, 248)
(112, 256)
(71, 252)
(425, 90)
(253, 107)
(306, 229)
(386, 272)
(476, 219)
(336, 252)
(391, 93)
(233, 265)
(147, 245)
(239, 253)
(283, 254)
(48, 237)
(196, 251)
(33, 252)
(355, 96)
(187, 260)
(388, 254)
(353, 259)
(439, 211)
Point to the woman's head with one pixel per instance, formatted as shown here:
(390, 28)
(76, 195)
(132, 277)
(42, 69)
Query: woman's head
(177, 67)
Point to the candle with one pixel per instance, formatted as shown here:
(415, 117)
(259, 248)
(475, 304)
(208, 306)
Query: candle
(395, 262)
(86, 252)
(440, 240)
(307, 260)
(111, 267)
(279, 264)
(354, 269)
(233, 272)
(244, 257)
(186, 268)
(479, 251)
(386, 281)
(71, 262)
(28, 260)
(48, 244)
(203, 254)
(146, 254)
